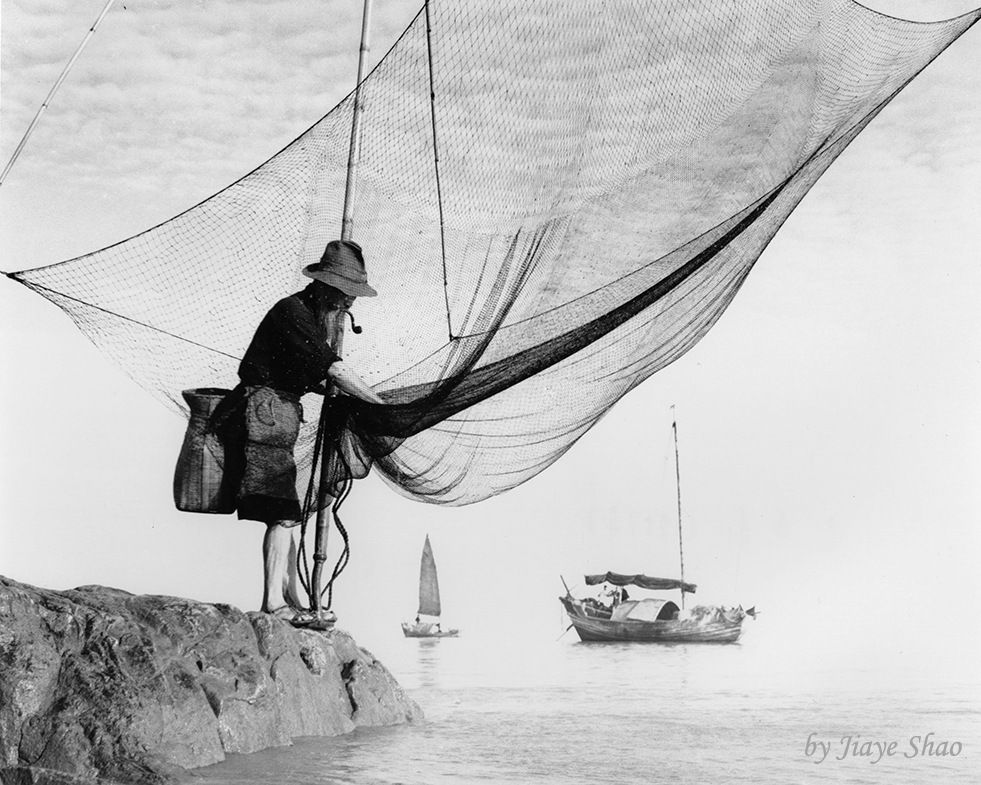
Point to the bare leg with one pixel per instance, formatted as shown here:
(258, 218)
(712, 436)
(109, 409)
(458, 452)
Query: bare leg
(291, 589)
(276, 557)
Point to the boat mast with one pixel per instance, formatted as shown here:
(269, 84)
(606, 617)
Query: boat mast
(677, 472)
(336, 335)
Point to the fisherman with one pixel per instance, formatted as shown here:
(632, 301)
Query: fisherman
(610, 594)
(290, 355)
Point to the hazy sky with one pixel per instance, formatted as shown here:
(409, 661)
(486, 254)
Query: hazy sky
(830, 423)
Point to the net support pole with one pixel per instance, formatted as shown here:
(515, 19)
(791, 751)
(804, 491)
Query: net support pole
(354, 151)
(677, 474)
(57, 84)
(336, 333)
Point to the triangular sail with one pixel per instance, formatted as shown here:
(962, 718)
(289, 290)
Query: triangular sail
(428, 583)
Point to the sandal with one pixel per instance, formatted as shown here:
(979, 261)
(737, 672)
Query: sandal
(310, 621)
(304, 618)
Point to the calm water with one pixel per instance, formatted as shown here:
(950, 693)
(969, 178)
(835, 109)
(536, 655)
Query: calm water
(500, 709)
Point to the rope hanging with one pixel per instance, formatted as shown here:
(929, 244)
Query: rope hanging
(309, 507)
(439, 188)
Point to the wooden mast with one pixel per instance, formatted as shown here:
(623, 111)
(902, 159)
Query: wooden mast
(336, 332)
(677, 472)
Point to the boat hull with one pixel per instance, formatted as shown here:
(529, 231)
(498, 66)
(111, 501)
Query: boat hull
(592, 628)
(413, 631)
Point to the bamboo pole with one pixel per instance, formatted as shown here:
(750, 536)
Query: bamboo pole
(57, 84)
(336, 333)
(354, 151)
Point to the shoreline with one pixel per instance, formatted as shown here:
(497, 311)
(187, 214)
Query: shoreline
(98, 683)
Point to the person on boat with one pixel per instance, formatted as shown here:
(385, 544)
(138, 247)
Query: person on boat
(290, 355)
(623, 595)
(610, 593)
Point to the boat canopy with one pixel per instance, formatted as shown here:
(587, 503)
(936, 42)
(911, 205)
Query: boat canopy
(646, 610)
(643, 581)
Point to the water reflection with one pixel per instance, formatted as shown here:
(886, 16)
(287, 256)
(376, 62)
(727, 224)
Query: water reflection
(427, 661)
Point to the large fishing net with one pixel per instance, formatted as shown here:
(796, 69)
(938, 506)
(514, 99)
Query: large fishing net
(555, 199)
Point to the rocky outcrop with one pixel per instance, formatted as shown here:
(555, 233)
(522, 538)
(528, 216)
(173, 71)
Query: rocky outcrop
(99, 683)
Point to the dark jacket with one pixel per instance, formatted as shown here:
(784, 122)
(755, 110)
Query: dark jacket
(289, 350)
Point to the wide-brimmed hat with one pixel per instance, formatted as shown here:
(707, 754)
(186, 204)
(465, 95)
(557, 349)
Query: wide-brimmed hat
(342, 266)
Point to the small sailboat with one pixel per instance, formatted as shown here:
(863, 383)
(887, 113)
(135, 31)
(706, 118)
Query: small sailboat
(428, 602)
(652, 620)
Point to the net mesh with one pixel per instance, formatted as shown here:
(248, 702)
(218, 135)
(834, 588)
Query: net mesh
(555, 200)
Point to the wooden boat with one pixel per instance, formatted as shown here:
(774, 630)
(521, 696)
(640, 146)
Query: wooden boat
(429, 604)
(653, 620)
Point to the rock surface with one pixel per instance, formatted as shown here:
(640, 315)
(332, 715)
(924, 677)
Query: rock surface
(98, 683)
